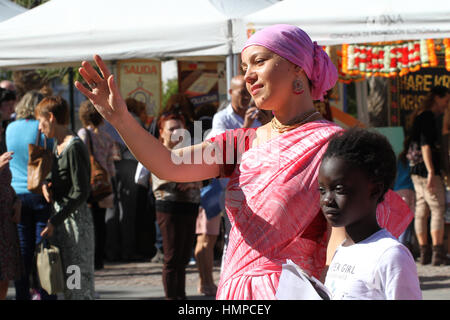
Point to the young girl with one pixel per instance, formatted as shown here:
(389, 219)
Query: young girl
(357, 170)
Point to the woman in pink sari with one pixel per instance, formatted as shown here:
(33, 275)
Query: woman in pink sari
(272, 198)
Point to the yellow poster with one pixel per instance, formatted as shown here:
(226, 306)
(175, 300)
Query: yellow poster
(141, 80)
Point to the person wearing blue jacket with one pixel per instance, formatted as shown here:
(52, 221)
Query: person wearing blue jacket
(35, 210)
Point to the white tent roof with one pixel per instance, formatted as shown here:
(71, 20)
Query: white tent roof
(240, 8)
(66, 31)
(354, 21)
(9, 9)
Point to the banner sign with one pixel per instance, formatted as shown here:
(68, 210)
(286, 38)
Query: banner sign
(388, 59)
(408, 92)
(141, 80)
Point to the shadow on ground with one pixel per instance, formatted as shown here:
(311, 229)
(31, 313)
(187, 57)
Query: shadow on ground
(434, 282)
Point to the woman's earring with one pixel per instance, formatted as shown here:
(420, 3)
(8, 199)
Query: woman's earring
(297, 86)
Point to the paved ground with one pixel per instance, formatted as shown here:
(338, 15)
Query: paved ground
(434, 282)
(143, 281)
(146, 281)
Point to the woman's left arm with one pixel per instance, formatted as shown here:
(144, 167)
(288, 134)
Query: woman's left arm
(79, 168)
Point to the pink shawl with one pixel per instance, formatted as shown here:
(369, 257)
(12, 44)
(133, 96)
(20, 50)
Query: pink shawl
(272, 202)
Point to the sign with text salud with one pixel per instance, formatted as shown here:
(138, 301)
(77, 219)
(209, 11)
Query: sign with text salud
(141, 80)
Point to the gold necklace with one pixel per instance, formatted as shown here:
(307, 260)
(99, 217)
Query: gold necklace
(295, 122)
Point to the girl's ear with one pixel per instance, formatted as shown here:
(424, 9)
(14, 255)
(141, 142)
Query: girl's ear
(377, 192)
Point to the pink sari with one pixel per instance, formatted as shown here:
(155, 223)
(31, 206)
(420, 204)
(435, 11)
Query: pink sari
(272, 201)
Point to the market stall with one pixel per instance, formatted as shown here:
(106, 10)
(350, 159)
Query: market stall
(63, 31)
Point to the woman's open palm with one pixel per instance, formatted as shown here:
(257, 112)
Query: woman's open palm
(103, 93)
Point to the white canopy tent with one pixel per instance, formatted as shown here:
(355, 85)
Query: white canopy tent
(9, 9)
(241, 8)
(65, 31)
(332, 22)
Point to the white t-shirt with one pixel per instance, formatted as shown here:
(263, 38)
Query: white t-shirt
(377, 268)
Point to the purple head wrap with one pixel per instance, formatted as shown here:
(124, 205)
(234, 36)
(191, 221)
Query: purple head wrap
(293, 44)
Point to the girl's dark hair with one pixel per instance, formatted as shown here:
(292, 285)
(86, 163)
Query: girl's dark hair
(370, 151)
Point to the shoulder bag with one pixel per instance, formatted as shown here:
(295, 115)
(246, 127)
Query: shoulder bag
(101, 186)
(39, 164)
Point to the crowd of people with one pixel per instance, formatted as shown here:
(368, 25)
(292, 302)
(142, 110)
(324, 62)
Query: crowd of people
(284, 183)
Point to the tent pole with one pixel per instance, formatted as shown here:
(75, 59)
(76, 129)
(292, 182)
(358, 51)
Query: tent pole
(236, 67)
(230, 58)
(71, 100)
(229, 68)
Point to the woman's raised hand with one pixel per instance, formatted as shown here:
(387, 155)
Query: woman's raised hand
(103, 93)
